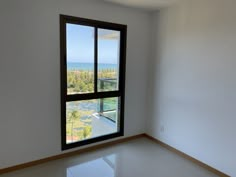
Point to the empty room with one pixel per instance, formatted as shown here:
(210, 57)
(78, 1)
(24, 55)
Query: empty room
(117, 88)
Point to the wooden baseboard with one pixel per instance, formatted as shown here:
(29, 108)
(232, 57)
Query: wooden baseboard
(199, 163)
(68, 154)
(92, 148)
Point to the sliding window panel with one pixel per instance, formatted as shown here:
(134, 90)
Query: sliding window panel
(80, 59)
(108, 60)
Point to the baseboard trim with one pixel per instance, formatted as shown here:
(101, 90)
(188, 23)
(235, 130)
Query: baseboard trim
(68, 154)
(197, 162)
(107, 144)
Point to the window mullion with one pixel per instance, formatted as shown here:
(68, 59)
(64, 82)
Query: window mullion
(93, 96)
(96, 60)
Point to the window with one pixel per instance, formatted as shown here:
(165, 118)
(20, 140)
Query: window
(92, 80)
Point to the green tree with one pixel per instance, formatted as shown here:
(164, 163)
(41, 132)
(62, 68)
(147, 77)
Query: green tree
(83, 81)
(87, 131)
(72, 117)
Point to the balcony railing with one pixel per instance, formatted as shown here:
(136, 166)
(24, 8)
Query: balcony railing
(107, 84)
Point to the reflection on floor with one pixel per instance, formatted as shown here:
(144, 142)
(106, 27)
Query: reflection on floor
(104, 168)
(136, 158)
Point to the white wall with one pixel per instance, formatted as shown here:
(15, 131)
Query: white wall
(193, 80)
(30, 74)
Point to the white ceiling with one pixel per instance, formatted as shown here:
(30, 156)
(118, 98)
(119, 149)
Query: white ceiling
(144, 4)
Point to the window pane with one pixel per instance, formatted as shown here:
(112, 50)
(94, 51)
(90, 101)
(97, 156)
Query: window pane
(108, 60)
(91, 118)
(80, 59)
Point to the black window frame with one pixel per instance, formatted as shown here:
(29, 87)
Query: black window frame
(120, 93)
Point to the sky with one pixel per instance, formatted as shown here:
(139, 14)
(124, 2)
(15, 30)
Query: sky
(80, 45)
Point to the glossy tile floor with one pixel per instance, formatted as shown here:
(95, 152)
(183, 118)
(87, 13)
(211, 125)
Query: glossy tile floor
(136, 158)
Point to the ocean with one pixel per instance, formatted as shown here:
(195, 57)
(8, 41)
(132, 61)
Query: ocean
(89, 66)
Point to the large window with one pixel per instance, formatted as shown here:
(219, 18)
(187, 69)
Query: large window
(92, 80)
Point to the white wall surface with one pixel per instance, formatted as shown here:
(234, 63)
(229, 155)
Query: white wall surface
(193, 80)
(30, 73)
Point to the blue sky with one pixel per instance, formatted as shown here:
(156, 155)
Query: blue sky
(80, 46)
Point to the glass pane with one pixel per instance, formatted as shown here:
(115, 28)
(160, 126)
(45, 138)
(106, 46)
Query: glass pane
(108, 60)
(91, 118)
(80, 59)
